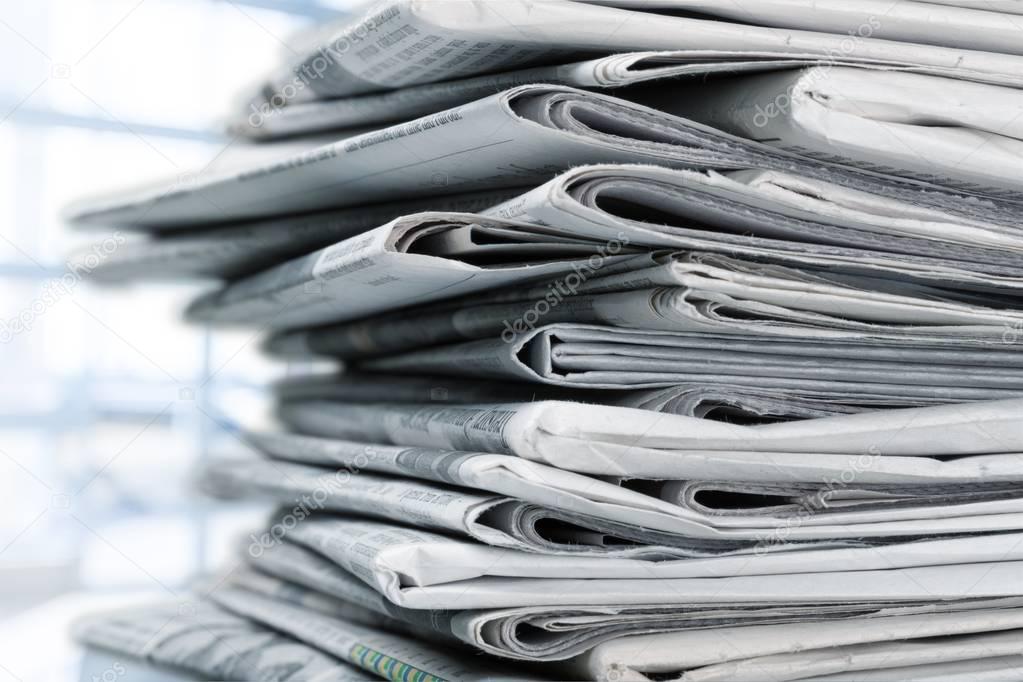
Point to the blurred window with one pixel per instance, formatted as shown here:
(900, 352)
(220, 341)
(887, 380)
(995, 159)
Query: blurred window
(108, 401)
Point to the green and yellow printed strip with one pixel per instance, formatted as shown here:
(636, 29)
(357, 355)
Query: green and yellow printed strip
(387, 667)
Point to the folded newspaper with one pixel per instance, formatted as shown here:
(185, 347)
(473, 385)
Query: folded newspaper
(383, 653)
(540, 509)
(555, 219)
(600, 357)
(340, 619)
(764, 211)
(202, 639)
(271, 115)
(694, 290)
(688, 293)
(960, 442)
(979, 25)
(422, 569)
(931, 128)
(414, 259)
(241, 630)
(403, 43)
(755, 213)
(850, 651)
(724, 400)
(553, 634)
(747, 209)
(235, 250)
(519, 136)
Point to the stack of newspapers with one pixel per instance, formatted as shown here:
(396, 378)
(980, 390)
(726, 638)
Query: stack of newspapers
(673, 340)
